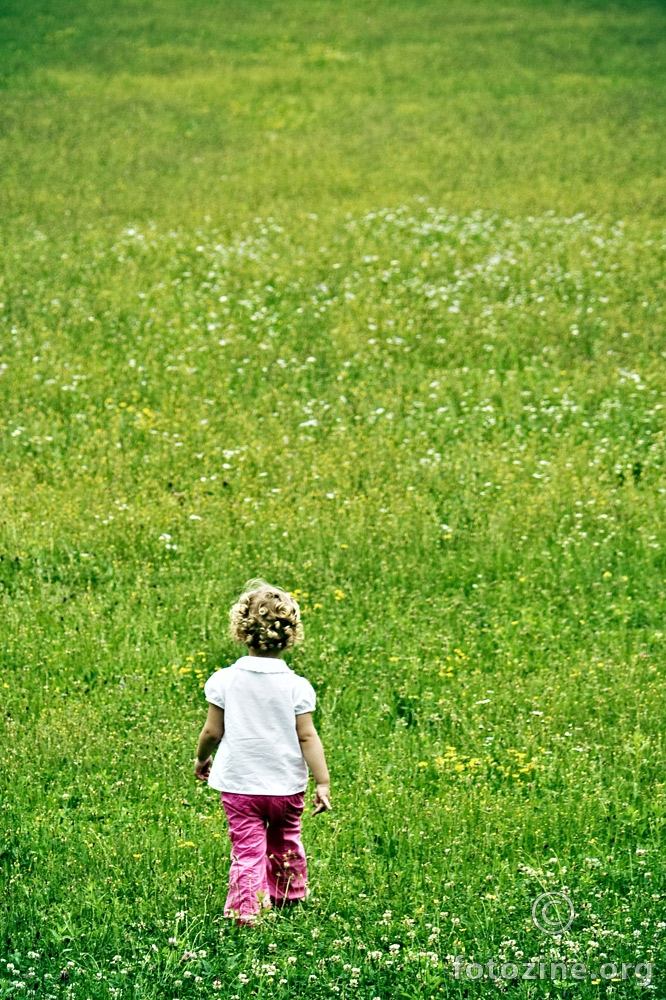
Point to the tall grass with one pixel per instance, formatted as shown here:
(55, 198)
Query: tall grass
(440, 427)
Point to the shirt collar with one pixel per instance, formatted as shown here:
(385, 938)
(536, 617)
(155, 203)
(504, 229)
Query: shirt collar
(262, 664)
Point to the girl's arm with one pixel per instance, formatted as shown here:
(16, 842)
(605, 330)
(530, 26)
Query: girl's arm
(210, 736)
(313, 752)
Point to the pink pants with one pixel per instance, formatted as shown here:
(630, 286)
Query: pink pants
(268, 865)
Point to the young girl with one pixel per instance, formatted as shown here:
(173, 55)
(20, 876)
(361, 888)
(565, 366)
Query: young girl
(260, 714)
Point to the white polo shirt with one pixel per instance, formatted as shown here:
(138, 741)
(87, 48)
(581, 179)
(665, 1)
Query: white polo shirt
(259, 753)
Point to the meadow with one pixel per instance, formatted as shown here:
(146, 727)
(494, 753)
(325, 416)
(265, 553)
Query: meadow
(368, 302)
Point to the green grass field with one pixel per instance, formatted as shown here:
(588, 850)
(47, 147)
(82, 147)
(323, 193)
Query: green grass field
(367, 300)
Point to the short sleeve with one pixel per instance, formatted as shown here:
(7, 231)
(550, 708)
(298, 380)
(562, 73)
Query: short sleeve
(305, 699)
(215, 688)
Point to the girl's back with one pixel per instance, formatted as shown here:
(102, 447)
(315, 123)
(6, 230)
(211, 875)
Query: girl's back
(260, 753)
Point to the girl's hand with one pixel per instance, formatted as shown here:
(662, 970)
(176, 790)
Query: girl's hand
(202, 768)
(322, 800)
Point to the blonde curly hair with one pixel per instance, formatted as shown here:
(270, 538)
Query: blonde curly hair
(265, 618)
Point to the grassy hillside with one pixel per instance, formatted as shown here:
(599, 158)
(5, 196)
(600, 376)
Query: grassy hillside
(173, 111)
(369, 302)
